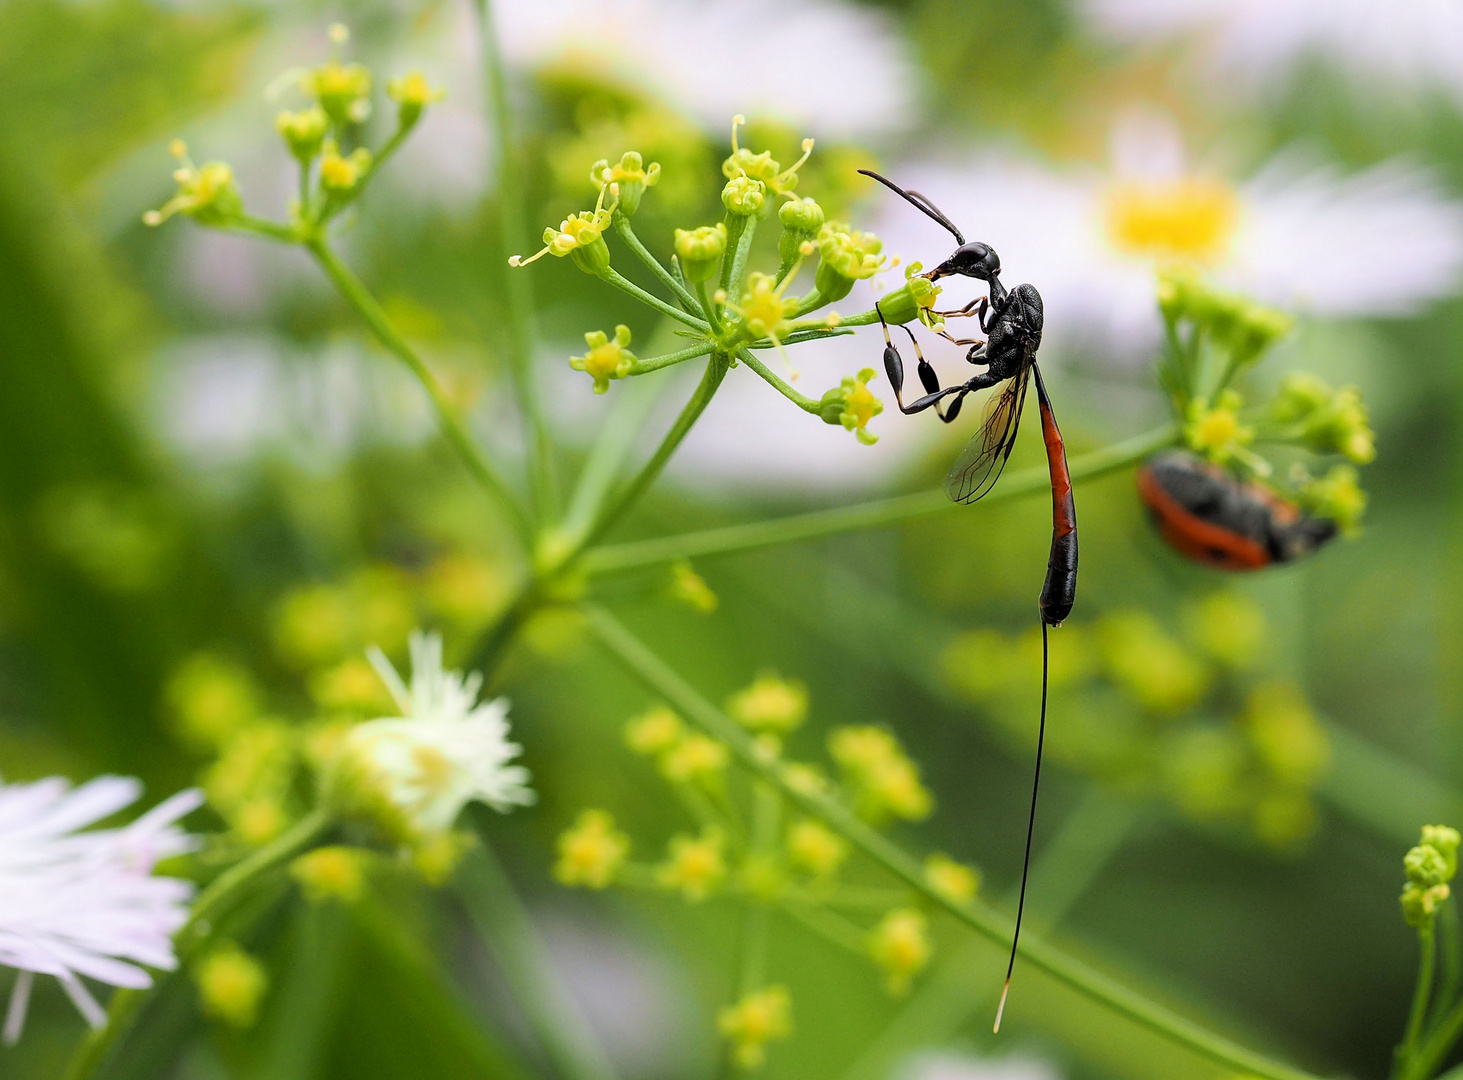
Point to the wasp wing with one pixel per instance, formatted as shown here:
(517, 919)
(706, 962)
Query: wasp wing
(979, 465)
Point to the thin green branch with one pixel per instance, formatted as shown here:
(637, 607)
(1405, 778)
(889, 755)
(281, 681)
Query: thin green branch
(868, 515)
(504, 926)
(1421, 995)
(477, 462)
(802, 401)
(212, 904)
(657, 675)
(1448, 945)
(613, 443)
(713, 313)
(619, 281)
(1435, 1047)
(733, 281)
(519, 287)
(627, 233)
(270, 230)
(655, 363)
(716, 369)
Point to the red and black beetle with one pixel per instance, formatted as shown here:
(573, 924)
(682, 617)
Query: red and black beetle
(1211, 517)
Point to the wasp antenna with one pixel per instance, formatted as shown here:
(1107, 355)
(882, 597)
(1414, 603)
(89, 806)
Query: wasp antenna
(1030, 827)
(918, 201)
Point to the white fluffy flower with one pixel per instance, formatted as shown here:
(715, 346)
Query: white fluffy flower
(838, 70)
(445, 750)
(1408, 43)
(1383, 241)
(85, 904)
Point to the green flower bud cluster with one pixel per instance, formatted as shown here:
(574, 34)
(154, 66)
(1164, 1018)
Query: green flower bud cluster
(846, 255)
(629, 178)
(207, 194)
(915, 299)
(852, 404)
(763, 168)
(1429, 867)
(1328, 421)
(743, 197)
(606, 359)
(1337, 495)
(700, 251)
(801, 219)
(1237, 324)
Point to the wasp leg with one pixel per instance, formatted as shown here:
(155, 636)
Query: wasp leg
(894, 364)
(951, 411)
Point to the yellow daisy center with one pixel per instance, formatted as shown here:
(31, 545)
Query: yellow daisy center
(1191, 220)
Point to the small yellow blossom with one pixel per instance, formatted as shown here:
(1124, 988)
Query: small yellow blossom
(341, 174)
(1420, 904)
(256, 765)
(762, 167)
(605, 359)
(853, 405)
(435, 855)
(591, 852)
(900, 947)
(343, 90)
(258, 820)
(412, 94)
(351, 686)
(690, 588)
(883, 779)
(205, 193)
(814, 847)
(952, 880)
(696, 758)
(330, 873)
(303, 131)
(764, 311)
(466, 590)
(212, 698)
(846, 255)
(653, 732)
(700, 251)
(757, 1019)
(915, 299)
(580, 236)
(1338, 496)
(1216, 432)
(1227, 626)
(770, 704)
(695, 865)
(1286, 734)
(743, 196)
(629, 177)
(231, 986)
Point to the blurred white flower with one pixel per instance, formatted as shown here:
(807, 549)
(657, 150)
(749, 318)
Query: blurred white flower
(1383, 241)
(85, 904)
(445, 750)
(1408, 43)
(962, 1067)
(829, 67)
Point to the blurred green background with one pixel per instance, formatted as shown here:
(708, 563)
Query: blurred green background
(201, 453)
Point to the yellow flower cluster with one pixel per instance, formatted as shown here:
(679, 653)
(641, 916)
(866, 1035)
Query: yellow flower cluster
(900, 947)
(231, 986)
(757, 1019)
(883, 780)
(592, 852)
(695, 865)
(770, 704)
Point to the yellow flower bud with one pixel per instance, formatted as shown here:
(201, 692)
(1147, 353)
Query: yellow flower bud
(952, 880)
(900, 947)
(696, 758)
(605, 359)
(700, 251)
(653, 732)
(331, 873)
(757, 1019)
(770, 704)
(815, 848)
(212, 698)
(231, 986)
(591, 853)
(696, 866)
(412, 94)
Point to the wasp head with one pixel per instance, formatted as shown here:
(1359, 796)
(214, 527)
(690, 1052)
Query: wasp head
(975, 260)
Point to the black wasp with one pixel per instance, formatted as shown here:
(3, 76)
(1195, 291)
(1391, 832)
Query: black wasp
(1012, 322)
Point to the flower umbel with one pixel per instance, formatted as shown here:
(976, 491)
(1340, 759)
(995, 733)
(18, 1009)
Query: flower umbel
(591, 852)
(76, 904)
(753, 1022)
(579, 235)
(412, 774)
(206, 194)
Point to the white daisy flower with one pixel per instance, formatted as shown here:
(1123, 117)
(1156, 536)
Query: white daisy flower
(444, 750)
(1406, 43)
(1381, 242)
(829, 67)
(85, 904)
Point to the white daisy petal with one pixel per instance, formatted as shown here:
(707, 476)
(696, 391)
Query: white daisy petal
(84, 904)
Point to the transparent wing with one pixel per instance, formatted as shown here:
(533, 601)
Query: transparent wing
(979, 465)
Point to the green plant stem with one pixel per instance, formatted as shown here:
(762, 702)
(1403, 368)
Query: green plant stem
(212, 904)
(811, 300)
(519, 286)
(716, 369)
(802, 401)
(1448, 945)
(452, 426)
(651, 670)
(829, 925)
(867, 515)
(655, 363)
(504, 926)
(627, 233)
(1435, 1047)
(612, 444)
(270, 230)
(713, 313)
(611, 275)
(732, 282)
(1421, 994)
